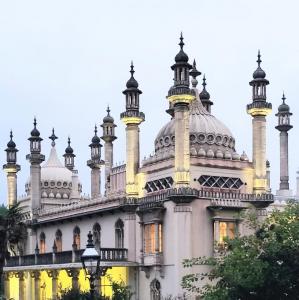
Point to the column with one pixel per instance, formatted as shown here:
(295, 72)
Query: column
(284, 162)
(12, 187)
(54, 275)
(36, 276)
(74, 273)
(6, 285)
(95, 182)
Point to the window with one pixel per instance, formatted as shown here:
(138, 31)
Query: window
(152, 238)
(76, 237)
(119, 234)
(42, 243)
(97, 235)
(220, 182)
(225, 230)
(155, 290)
(58, 240)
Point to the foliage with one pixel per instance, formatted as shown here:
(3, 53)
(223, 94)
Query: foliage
(75, 294)
(264, 265)
(120, 290)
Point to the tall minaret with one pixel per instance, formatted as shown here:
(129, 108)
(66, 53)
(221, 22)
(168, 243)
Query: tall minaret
(108, 137)
(35, 158)
(11, 168)
(132, 118)
(259, 109)
(180, 97)
(284, 126)
(95, 164)
(205, 96)
(69, 156)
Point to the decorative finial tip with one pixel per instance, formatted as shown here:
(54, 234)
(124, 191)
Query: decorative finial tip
(259, 57)
(181, 40)
(53, 137)
(283, 97)
(108, 110)
(132, 68)
(95, 129)
(34, 122)
(11, 135)
(194, 64)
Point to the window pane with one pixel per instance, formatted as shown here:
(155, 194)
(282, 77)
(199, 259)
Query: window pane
(222, 231)
(231, 230)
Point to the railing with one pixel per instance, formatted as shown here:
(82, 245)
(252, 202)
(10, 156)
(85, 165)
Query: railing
(65, 257)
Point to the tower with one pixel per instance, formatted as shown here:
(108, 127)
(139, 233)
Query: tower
(180, 97)
(35, 158)
(205, 96)
(11, 168)
(108, 137)
(283, 127)
(259, 108)
(132, 118)
(95, 164)
(69, 156)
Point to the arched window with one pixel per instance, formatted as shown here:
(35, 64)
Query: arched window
(42, 243)
(58, 240)
(97, 235)
(119, 234)
(155, 290)
(76, 237)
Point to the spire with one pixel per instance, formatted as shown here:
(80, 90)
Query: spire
(53, 137)
(11, 151)
(181, 56)
(108, 118)
(205, 96)
(11, 144)
(34, 131)
(259, 73)
(181, 43)
(69, 149)
(132, 82)
(194, 73)
(69, 161)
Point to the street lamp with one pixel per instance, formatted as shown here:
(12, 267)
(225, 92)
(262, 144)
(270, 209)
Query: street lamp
(91, 263)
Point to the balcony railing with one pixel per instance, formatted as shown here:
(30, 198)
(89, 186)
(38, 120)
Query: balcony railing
(65, 257)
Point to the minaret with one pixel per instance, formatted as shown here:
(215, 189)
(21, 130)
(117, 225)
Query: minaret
(205, 96)
(180, 97)
(95, 164)
(69, 156)
(284, 126)
(259, 109)
(35, 158)
(11, 168)
(132, 118)
(108, 137)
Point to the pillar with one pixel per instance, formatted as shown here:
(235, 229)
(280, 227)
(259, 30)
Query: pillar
(22, 291)
(54, 275)
(108, 160)
(36, 276)
(74, 274)
(12, 185)
(95, 182)
(284, 161)
(6, 285)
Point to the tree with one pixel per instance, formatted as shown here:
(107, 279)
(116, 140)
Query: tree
(12, 234)
(264, 265)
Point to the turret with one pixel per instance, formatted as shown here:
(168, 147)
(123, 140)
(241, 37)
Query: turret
(108, 137)
(11, 168)
(180, 97)
(95, 164)
(69, 156)
(35, 158)
(205, 96)
(132, 118)
(283, 127)
(259, 108)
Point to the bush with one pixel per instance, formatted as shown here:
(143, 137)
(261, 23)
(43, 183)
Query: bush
(75, 294)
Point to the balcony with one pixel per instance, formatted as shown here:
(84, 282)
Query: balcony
(66, 257)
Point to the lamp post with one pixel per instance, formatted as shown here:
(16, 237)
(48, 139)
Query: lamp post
(91, 263)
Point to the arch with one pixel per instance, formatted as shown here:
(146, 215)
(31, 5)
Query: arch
(58, 240)
(76, 237)
(42, 243)
(155, 288)
(96, 229)
(119, 234)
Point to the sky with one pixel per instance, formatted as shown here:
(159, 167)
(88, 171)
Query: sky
(64, 61)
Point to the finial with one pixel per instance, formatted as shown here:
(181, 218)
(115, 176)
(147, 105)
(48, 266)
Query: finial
(132, 68)
(283, 98)
(53, 137)
(108, 110)
(11, 135)
(194, 73)
(34, 122)
(95, 129)
(69, 141)
(259, 57)
(181, 41)
(204, 81)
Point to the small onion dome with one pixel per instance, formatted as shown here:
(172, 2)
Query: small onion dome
(11, 144)
(132, 82)
(181, 56)
(108, 118)
(259, 73)
(283, 108)
(35, 132)
(204, 94)
(267, 163)
(69, 149)
(96, 140)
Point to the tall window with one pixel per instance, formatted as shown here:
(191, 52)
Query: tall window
(97, 235)
(152, 238)
(226, 230)
(76, 237)
(155, 290)
(119, 234)
(42, 243)
(58, 240)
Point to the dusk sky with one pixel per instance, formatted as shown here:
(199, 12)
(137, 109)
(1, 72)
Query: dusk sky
(65, 61)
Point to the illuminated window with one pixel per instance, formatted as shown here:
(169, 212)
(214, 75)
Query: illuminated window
(226, 230)
(97, 235)
(76, 237)
(58, 240)
(152, 238)
(119, 234)
(42, 243)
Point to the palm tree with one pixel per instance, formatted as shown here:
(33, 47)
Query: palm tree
(12, 234)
